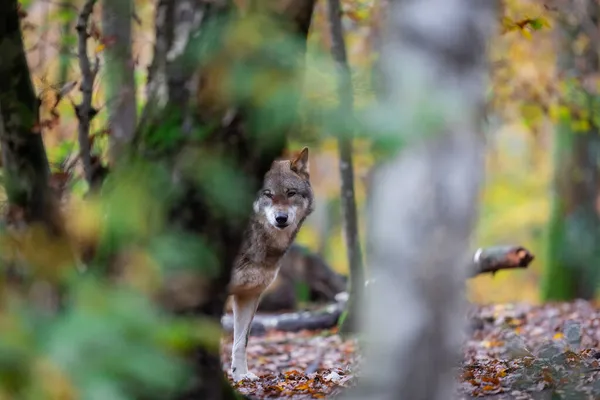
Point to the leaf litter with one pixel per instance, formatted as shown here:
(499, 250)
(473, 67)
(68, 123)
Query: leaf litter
(513, 351)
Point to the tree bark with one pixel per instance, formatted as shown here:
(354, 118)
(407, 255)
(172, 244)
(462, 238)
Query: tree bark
(23, 155)
(574, 226)
(345, 136)
(190, 60)
(494, 259)
(119, 75)
(423, 201)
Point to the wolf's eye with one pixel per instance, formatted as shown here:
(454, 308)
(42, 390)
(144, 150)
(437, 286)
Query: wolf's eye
(291, 193)
(268, 193)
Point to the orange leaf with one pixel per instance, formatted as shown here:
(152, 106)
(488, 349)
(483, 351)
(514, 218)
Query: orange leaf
(302, 386)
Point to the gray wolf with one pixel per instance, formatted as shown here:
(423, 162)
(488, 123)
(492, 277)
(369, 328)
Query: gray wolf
(282, 205)
(302, 269)
(304, 277)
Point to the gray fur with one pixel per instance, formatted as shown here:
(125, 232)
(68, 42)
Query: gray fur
(286, 191)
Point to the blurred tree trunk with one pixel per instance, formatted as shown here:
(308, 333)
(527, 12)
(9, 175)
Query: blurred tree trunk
(237, 134)
(119, 74)
(423, 202)
(345, 136)
(26, 170)
(574, 229)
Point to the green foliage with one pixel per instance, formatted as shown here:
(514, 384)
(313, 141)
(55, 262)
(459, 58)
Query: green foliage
(109, 340)
(224, 188)
(108, 343)
(25, 3)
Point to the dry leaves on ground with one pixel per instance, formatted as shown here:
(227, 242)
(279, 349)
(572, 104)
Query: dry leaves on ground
(304, 365)
(514, 352)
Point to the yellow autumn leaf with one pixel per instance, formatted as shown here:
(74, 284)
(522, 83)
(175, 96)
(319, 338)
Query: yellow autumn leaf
(362, 14)
(85, 221)
(302, 386)
(526, 34)
(99, 48)
(582, 125)
(558, 335)
(507, 24)
(545, 22)
(558, 112)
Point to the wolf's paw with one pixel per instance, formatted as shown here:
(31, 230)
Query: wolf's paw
(248, 376)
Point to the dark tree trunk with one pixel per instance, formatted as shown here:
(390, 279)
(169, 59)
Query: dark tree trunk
(26, 170)
(248, 136)
(572, 269)
(346, 119)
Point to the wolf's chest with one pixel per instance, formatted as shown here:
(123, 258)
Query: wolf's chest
(252, 279)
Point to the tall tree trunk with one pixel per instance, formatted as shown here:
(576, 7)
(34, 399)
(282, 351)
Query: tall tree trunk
(423, 202)
(24, 158)
(238, 134)
(345, 136)
(119, 73)
(574, 227)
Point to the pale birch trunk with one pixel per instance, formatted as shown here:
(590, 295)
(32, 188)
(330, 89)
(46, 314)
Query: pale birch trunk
(423, 202)
(119, 69)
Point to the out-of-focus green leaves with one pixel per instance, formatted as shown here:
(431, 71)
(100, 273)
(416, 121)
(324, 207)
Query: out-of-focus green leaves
(223, 184)
(107, 343)
(67, 13)
(25, 3)
(133, 202)
(61, 152)
(179, 251)
(110, 342)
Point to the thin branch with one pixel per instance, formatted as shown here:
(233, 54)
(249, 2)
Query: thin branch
(84, 111)
(345, 136)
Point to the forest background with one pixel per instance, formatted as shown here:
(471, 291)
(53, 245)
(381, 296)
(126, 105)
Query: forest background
(516, 200)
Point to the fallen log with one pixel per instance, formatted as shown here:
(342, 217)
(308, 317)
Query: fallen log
(494, 259)
(485, 260)
(324, 318)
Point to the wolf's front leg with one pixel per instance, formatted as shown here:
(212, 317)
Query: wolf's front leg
(244, 308)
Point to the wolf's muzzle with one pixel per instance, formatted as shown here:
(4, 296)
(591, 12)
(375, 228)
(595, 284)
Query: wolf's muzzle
(281, 220)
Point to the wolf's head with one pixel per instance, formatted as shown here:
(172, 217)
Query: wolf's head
(286, 197)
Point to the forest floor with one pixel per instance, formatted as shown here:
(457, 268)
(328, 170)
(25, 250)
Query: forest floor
(514, 352)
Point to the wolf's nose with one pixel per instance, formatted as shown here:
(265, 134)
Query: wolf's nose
(281, 218)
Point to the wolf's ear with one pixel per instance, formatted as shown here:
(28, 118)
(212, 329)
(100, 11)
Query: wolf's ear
(299, 164)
